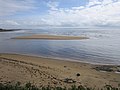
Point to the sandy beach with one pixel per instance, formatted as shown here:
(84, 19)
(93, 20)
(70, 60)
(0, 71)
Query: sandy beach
(46, 71)
(51, 37)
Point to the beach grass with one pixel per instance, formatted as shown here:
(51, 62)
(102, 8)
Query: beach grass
(29, 86)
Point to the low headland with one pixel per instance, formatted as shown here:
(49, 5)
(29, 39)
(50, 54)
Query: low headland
(48, 72)
(8, 30)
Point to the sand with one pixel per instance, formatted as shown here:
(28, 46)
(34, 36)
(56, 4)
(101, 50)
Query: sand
(51, 37)
(46, 71)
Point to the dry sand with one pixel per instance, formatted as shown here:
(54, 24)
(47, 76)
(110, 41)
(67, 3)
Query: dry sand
(45, 71)
(52, 37)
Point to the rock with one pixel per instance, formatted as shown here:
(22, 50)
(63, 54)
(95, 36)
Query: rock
(77, 74)
(69, 80)
(104, 68)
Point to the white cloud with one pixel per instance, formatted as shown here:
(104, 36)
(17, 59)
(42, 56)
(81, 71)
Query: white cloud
(53, 5)
(78, 8)
(96, 13)
(102, 13)
(10, 7)
(10, 22)
(94, 2)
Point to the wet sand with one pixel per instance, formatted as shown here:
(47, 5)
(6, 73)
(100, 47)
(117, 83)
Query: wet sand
(46, 71)
(51, 37)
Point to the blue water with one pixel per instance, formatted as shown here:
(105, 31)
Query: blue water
(103, 47)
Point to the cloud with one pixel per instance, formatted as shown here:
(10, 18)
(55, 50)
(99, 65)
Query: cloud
(10, 22)
(10, 7)
(96, 13)
(52, 5)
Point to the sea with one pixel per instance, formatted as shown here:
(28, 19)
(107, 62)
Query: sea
(102, 47)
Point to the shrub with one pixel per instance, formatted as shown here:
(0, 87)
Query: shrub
(29, 86)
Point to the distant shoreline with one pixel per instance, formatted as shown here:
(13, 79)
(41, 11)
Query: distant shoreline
(8, 30)
(52, 37)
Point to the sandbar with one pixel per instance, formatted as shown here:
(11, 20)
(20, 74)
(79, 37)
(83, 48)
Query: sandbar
(51, 37)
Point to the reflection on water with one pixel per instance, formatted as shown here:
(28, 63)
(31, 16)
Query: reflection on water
(103, 46)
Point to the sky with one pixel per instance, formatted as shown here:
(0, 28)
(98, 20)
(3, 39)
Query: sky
(59, 13)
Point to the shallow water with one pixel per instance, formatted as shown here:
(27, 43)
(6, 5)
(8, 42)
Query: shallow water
(103, 47)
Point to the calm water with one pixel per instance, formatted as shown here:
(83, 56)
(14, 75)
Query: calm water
(103, 47)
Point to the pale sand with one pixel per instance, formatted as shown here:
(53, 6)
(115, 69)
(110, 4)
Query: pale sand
(45, 71)
(51, 37)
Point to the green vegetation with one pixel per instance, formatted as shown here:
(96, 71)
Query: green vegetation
(29, 86)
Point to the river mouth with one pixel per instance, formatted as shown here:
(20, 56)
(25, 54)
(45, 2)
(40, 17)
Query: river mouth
(103, 47)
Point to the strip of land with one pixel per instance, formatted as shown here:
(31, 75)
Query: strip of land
(8, 30)
(42, 71)
(52, 37)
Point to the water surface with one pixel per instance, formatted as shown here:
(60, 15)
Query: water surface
(103, 47)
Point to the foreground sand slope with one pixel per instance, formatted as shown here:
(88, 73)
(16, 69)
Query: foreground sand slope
(51, 37)
(45, 71)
